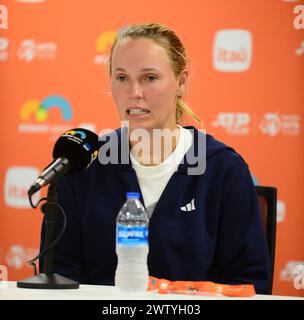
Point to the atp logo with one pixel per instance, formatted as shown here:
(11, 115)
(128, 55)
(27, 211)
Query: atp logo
(103, 46)
(39, 109)
(235, 123)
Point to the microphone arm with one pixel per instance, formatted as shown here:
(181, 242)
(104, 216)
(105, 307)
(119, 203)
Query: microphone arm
(57, 168)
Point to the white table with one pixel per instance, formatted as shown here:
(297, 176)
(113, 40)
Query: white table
(9, 291)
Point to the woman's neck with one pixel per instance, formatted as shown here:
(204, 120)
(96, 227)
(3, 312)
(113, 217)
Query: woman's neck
(151, 148)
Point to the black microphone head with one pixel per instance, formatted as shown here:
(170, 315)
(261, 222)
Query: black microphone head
(80, 146)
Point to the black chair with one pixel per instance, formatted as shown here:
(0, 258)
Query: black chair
(267, 197)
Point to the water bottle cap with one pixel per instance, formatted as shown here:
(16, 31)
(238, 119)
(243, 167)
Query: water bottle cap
(131, 195)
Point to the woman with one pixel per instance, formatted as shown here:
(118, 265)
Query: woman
(204, 216)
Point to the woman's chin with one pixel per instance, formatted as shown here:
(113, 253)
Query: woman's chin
(133, 125)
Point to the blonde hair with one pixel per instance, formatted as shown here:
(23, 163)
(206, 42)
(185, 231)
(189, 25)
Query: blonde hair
(166, 38)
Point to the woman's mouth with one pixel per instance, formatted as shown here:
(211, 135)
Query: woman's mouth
(138, 114)
(137, 111)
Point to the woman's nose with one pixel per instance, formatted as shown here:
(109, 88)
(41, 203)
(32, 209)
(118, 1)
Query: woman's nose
(136, 90)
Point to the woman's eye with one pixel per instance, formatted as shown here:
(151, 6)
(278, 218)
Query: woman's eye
(121, 78)
(151, 78)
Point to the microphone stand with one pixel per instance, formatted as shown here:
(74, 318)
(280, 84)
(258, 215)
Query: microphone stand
(48, 279)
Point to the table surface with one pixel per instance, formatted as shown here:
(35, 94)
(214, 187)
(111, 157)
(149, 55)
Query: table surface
(9, 291)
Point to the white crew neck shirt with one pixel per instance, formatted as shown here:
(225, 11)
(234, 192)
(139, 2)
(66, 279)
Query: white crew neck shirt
(153, 179)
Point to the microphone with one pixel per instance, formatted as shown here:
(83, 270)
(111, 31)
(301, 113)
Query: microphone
(74, 151)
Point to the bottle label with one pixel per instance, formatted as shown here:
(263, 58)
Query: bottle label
(132, 235)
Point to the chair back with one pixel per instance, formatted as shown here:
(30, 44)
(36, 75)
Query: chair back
(267, 197)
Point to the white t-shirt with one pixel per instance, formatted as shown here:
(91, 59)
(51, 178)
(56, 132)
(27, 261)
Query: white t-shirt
(153, 179)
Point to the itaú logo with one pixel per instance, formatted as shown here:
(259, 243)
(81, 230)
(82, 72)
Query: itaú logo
(232, 50)
(103, 45)
(18, 179)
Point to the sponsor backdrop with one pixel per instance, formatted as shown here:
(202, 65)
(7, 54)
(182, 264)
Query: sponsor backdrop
(247, 85)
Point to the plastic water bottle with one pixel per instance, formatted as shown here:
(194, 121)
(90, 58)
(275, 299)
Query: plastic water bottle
(132, 246)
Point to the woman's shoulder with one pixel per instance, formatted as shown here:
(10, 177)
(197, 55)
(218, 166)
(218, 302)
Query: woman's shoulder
(216, 147)
(213, 147)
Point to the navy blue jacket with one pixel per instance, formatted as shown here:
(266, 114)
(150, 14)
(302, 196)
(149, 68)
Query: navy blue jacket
(222, 240)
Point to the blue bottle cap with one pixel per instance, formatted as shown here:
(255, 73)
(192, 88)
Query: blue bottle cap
(131, 195)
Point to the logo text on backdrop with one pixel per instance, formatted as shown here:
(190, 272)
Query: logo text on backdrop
(3, 17)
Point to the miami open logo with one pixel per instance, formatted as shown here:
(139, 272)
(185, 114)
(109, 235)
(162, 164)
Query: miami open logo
(39, 109)
(79, 137)
(34, 115)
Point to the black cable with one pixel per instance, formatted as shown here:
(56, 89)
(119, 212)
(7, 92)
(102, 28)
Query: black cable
(44, 251)
(31, 202)
(33, 264)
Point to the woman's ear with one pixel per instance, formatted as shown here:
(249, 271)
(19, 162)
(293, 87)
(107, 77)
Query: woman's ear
(182, 83)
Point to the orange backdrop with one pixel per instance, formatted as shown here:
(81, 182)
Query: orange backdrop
(247, 85)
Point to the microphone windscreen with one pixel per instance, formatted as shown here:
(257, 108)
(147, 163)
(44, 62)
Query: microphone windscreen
(80, 146)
